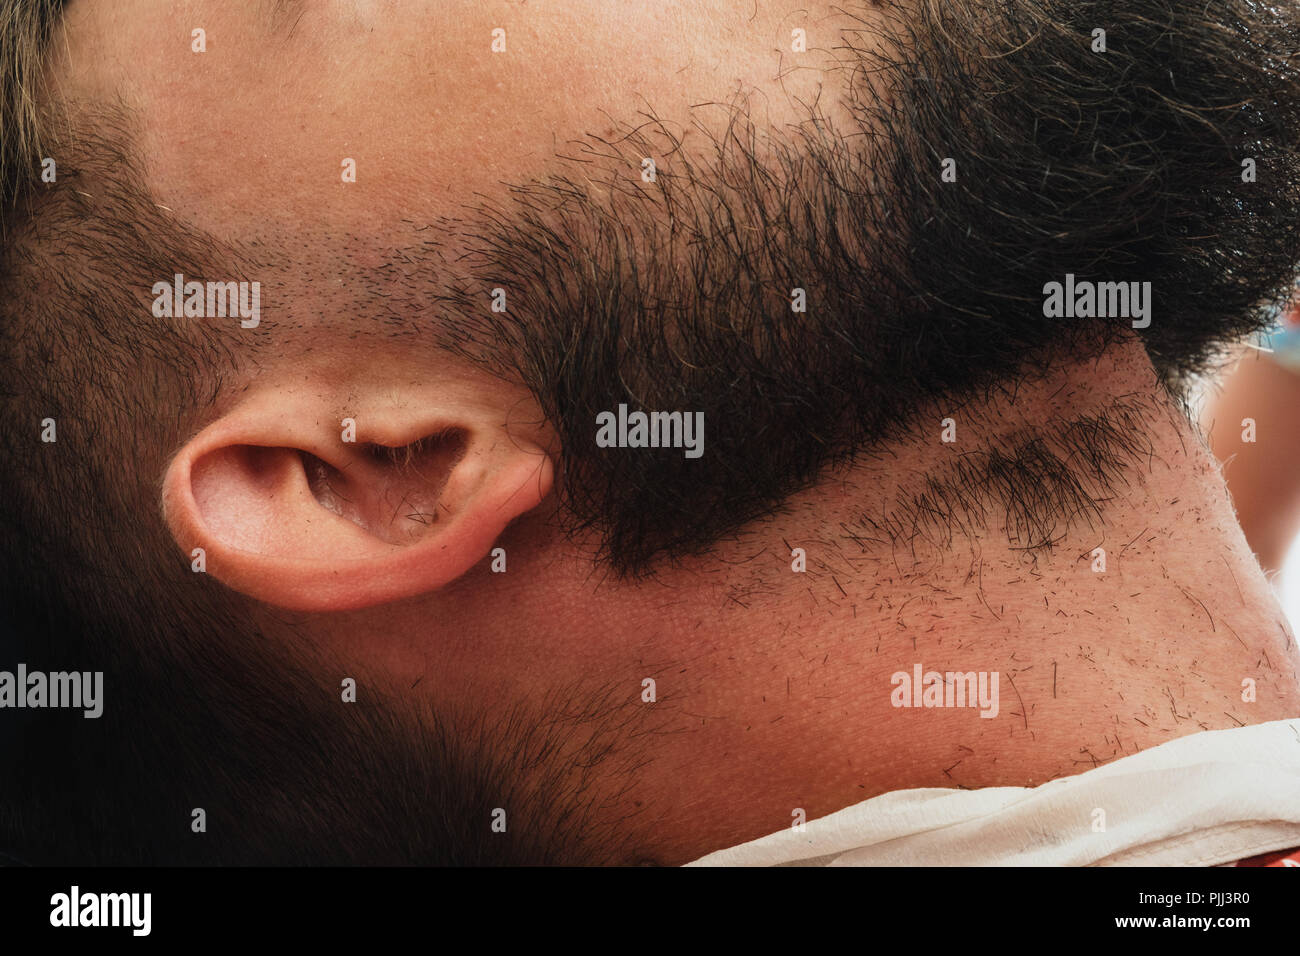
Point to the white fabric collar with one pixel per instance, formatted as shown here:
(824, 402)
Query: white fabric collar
(1205, 799)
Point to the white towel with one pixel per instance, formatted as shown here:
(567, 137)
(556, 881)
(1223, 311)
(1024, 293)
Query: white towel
(1202, 800)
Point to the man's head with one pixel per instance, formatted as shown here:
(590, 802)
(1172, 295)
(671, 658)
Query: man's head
(817, 233)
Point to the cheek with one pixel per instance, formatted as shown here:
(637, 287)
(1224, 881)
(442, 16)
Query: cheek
(430, 105)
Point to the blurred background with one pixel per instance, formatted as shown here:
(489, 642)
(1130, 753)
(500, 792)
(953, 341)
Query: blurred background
(1251, 416)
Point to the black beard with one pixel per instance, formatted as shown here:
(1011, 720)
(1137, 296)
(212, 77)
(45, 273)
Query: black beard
(1122, 166)
(1118, 166)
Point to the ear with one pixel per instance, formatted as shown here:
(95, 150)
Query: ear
(292, 513)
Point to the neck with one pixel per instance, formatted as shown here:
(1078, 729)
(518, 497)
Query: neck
(786, 682)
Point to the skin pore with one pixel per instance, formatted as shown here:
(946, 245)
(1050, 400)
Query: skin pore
(773, 686)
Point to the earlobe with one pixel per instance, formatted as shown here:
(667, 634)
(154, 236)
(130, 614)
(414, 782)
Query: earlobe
(291, 516)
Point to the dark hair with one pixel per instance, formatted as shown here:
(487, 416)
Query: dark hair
(1125, 166)
(1117, 166)
(25, 29)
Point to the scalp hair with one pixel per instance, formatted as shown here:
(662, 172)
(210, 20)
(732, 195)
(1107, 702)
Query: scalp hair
(1115, 166)
(1118, 166)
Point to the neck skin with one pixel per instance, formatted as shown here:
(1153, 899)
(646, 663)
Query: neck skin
(774, 687)
(794, 691)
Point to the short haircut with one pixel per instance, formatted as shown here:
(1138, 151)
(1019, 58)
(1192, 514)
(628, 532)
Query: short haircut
(1116, 166)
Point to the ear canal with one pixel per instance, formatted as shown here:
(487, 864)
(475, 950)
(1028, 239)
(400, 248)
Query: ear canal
(395, 493)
